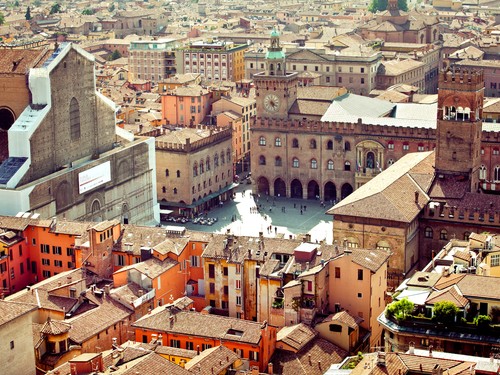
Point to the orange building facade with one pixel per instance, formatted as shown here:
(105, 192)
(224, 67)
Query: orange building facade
(186, 105)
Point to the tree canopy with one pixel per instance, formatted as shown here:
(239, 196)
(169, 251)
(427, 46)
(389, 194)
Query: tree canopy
(445, 311)
(28, 14)
(56, 8)
(400, 309)
(380, 5)
(116, 55)
(2, 18)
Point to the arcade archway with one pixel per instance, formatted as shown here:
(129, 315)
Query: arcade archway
(279, 188)
(296, 189)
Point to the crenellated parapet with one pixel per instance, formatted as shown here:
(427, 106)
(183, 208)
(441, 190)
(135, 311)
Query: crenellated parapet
(443, 212)
(214, 136)
(342, 128)
(456, 77)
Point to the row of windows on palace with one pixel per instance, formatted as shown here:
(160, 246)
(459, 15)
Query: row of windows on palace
(313, 163)
(347, 145)
(327, 68)
(193, 189)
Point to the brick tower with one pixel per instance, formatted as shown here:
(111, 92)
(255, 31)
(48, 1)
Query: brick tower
(459, 125)
(276, 89)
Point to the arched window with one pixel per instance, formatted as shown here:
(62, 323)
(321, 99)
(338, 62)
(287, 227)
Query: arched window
(222, 158)
(164, 189)
(195, 169)
(347, 166)
(347, 146)
(166, 173)
(277, 142)
(202, 166)
(175, 190)
(216, 160)
(329, 145)
(443, 235)
(383, 245)
(428, 232)
(262, 160)
(390, 145)
(329, 165)
(314, 164)
(178, 173)
(496, 173)
(74, 119)
(262, 141)
(312, 143)
(295, 163)
(295, 143)
(482, 173)
(208, 163)
(277, 161)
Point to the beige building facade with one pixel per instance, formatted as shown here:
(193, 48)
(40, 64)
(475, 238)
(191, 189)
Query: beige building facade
(195, 171)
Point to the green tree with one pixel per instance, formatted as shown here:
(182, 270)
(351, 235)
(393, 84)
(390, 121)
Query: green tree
(400, 309)
(445, 311)
(88, 12)
(37, 3)
(56, 8)
(28, 14)
(380, 5)
(112, 8)
(116, 55)
(2, 18)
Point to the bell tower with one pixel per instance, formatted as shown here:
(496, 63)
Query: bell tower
(459, 125)
(276, 90)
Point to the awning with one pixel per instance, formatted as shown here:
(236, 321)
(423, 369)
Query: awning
(166, 212)
(417, 296)
(201, 200)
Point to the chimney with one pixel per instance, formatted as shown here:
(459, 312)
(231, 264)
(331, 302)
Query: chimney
(197, 349)
(416, 196)
(411, 349)
(437, 370)
(270, 368)
(430, 354)
(68, 279)
(106, 289)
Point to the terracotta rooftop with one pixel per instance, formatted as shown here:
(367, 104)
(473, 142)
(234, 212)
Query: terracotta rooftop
(391, 194)
(90, 323)
(20, 61)
(451, 294)
(154, 364)
(10, 311)
(201, 325)
(345, 318)
(314, 359)
(55, 327)
(296, 336)
(215, 360)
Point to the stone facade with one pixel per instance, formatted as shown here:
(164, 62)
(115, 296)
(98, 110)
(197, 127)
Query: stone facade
(68, 131)
(194, 169)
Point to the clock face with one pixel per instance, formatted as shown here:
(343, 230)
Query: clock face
(271, 103)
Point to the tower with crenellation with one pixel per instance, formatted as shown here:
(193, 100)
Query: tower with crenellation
(459, 124)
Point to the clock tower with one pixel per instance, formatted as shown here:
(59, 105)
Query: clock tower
(276, 90)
